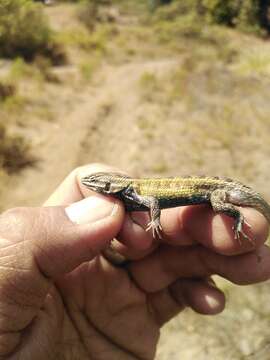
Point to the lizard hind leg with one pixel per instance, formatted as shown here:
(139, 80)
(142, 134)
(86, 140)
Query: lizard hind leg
(238, 229)
(156, 228)
(220, 204)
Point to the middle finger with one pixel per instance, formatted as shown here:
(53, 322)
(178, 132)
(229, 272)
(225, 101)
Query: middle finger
(168, 264)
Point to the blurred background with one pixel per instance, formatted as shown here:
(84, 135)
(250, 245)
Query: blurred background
(153, 87)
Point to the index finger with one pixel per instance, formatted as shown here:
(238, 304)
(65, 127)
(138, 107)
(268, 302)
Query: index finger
(71, 190)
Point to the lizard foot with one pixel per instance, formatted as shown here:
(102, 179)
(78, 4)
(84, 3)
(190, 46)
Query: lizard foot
(156, 228)
(238, 230)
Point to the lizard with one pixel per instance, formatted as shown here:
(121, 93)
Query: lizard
(154, 194)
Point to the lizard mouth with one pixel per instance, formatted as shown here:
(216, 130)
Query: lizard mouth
(92, 185)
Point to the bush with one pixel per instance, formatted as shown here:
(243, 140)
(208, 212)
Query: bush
(250, 15)
(176, 9)
(14, 152)
(221, 12)
(187, 26)
(25, 32)
(6, 90)
(88, 13)
(91, 12)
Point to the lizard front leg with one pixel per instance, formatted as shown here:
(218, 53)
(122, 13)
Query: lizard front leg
(151, 203)
(154, 212)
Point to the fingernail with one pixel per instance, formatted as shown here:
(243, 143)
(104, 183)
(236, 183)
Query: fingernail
(212, 302)
(91, 209)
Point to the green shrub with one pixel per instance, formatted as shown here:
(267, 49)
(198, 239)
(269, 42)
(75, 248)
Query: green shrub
(221, 12)
(243, 14)
(248, 15)
(88, 13)
(91, 12)
(14, 152)
(173, 8)
(20, 69)
(25, 32)
(7, 89)
(187, 26)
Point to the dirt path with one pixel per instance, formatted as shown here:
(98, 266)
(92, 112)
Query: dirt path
(114, 136)
(100, 127)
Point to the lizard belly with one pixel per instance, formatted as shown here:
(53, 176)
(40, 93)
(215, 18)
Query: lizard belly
(168, 202)
(183, 201)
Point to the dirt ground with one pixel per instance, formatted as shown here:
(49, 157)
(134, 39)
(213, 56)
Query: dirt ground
(158, 109)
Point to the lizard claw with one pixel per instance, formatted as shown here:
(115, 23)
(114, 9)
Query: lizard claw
(238, 231)
(156, 228)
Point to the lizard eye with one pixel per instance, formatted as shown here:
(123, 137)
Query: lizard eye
(107, 187)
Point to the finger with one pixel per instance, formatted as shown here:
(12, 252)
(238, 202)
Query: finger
(188, 226)
(215, 231)
(40, 244)
(67, 192)
(62, 238)
(71, 189)
(192, 225)
(169, 264)
(201, 295)
(135, 241)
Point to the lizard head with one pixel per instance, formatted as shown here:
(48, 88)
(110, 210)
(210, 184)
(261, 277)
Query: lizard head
(106, 183)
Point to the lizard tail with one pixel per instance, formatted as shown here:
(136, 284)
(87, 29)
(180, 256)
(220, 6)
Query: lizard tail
(249, 197)
(262, 206)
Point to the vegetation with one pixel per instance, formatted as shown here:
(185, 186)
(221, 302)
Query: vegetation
(14, 152)
(87, 13)
(25, 32)
(10, 100)
(250, 15)
(6, 90)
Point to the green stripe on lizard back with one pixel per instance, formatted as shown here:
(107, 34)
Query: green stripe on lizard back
(172, 187)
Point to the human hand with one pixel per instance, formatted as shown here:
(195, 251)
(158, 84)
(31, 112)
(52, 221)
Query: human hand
(60, 299)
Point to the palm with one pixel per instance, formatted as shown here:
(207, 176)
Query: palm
(105, 313)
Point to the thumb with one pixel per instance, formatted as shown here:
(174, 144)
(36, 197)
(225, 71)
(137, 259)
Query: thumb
(38, 245)
(59, 239)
